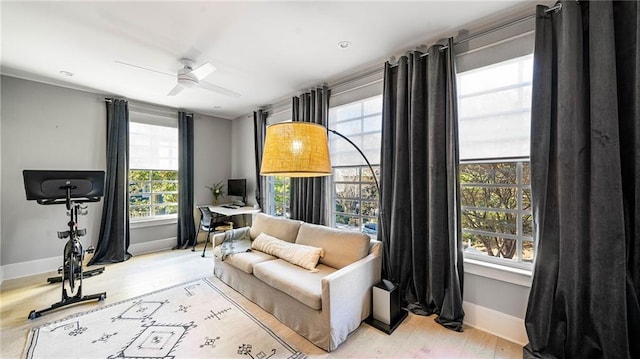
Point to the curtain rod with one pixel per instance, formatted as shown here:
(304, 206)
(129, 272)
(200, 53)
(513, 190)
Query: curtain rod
(151, 109)
(556, 7)
(358, 77)
(369, 83)
(500, 27)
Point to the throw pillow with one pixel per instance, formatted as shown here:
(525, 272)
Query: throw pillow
(304, 256)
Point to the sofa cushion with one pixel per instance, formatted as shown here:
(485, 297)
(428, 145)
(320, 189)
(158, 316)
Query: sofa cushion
(304, 286)
(341, 247)
(282, 228)
(304, 256)
(244, 261)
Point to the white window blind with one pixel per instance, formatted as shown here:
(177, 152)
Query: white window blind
(494, 110)
(153, 147)
(361, 122)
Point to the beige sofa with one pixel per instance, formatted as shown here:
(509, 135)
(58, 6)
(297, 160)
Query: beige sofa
(325, 304)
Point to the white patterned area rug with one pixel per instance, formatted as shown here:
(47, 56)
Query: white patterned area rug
(190, 320)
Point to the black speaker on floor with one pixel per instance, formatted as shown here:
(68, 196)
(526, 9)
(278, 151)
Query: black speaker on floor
(387, 313)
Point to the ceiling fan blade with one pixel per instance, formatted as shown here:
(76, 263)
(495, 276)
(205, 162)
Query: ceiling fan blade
(144, 68)
(176, 90)
(203, 71)
(218, 89)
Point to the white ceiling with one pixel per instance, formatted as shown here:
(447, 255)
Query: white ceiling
(265, 51)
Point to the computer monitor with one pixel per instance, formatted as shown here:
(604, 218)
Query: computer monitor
(237, 188)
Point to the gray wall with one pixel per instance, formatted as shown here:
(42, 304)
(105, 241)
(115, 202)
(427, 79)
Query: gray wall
(243, 164)
(38, 122)
(501, 296)
(45, 127)
(213, 155)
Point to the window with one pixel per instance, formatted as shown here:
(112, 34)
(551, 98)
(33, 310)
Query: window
(354, 194)
(356, 199)
(153, 173)
(152, 193)
(494, 105)
(278, 196)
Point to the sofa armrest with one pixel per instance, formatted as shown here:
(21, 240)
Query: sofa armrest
(346, 295)
(217, 239)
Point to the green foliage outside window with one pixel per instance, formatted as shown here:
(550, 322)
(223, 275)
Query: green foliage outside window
(355, 197)
(496, 209)
(281, 187)
(152, 193)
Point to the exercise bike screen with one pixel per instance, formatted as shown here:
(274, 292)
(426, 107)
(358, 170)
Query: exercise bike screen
(51, 185)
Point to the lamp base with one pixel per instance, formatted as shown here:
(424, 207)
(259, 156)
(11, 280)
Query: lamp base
(387, 313)
(387, 328)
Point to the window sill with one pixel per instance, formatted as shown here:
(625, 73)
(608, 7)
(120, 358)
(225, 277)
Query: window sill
(517, 276)
(152, 222)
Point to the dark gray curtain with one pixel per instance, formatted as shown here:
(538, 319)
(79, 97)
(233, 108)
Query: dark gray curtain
(585, 173)
(419, 184)
(113, 240)
(308, 194)
(259, 130)
(186, 223)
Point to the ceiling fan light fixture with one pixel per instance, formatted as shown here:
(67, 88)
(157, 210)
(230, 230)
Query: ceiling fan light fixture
(187, 81)
(189, 76)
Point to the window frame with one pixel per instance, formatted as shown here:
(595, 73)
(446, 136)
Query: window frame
(520, 237)
(360, 182)
(271, 204)
(361, 168)
(150, 182)
(516, 265)
(159, 119)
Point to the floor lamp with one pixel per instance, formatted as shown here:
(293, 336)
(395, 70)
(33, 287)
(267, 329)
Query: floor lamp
(300, 149)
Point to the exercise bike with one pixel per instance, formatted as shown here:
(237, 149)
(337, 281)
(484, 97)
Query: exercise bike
(78, 187)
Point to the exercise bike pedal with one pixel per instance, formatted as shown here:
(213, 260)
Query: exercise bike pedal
(85, 274)
(63, 234)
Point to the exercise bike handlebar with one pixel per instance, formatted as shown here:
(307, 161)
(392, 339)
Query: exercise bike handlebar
(68, 187)
(64, 201)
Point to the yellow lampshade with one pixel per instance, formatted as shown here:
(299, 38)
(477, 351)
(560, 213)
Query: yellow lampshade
(296, 149)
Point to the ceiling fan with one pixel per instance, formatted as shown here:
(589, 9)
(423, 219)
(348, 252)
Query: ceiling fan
(190, 77)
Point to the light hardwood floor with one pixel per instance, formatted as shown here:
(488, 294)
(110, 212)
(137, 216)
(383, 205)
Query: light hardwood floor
(417, 337)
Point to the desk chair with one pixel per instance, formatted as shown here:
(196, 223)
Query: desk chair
(210, 222)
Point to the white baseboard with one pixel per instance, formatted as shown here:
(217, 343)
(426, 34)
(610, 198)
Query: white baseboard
(152, 246)
(24, 269)
(497, 323)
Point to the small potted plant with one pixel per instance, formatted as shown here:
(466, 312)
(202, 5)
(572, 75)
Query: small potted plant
(217, 190)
